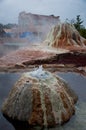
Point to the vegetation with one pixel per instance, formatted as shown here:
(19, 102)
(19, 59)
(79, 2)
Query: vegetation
(7, 26)
(78, 25)
(2, 32)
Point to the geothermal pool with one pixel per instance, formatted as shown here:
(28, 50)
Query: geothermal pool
(6, 48)
(77, 83)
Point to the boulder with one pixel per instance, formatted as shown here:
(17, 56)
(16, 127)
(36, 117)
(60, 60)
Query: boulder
(40, 98)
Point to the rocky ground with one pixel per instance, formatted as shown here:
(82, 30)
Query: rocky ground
(70, 59)
(63, 49)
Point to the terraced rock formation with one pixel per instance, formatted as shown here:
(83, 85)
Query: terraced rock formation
(64, 35)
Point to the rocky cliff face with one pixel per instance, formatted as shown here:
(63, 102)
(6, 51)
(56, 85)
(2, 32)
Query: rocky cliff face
(35, 22)
(64, 35)
(40, 25)
(40, 98)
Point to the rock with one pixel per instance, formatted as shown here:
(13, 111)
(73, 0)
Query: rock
(24, 59)
(41, 99)
(17, 58)
(19, 65)
(64, 35)
(36, 24)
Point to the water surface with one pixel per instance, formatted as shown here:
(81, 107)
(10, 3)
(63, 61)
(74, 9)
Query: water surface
(6, 83)
(77, 82)
(6, 48)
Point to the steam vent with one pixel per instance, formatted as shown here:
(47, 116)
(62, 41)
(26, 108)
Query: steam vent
(40, 99)
(63, 35)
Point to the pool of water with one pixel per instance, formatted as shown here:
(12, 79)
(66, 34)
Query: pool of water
(77, 83)
(6, 48)
(6, 83)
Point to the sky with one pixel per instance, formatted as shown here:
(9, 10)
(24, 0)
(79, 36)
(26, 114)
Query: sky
(66, 9)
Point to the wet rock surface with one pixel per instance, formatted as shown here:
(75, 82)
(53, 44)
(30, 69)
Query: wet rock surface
(40, 99)
(26, 59)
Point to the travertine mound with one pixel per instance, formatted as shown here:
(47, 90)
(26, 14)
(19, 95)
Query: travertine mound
(40, 98)
(64, 35)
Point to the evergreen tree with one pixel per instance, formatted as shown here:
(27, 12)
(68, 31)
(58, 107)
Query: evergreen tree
(79, 26)
(2, 32)
(78, 23)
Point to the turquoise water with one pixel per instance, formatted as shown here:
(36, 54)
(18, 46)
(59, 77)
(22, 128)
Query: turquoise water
(77, 83)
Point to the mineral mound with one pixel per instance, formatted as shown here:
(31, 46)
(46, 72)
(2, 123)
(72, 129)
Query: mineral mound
(64, 35)
(40, 99)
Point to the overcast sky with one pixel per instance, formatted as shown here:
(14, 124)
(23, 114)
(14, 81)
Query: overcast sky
(9, 9)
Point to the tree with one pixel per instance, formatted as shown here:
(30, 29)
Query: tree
(2, 32)
(83, 32)
(10, 25)
(1, 27)
(78, 23)
(79, 26)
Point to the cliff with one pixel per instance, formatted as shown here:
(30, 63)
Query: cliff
(35, 23)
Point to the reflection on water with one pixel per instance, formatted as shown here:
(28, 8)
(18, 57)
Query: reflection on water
(77, 83)
(77, 122)
(6, 83)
